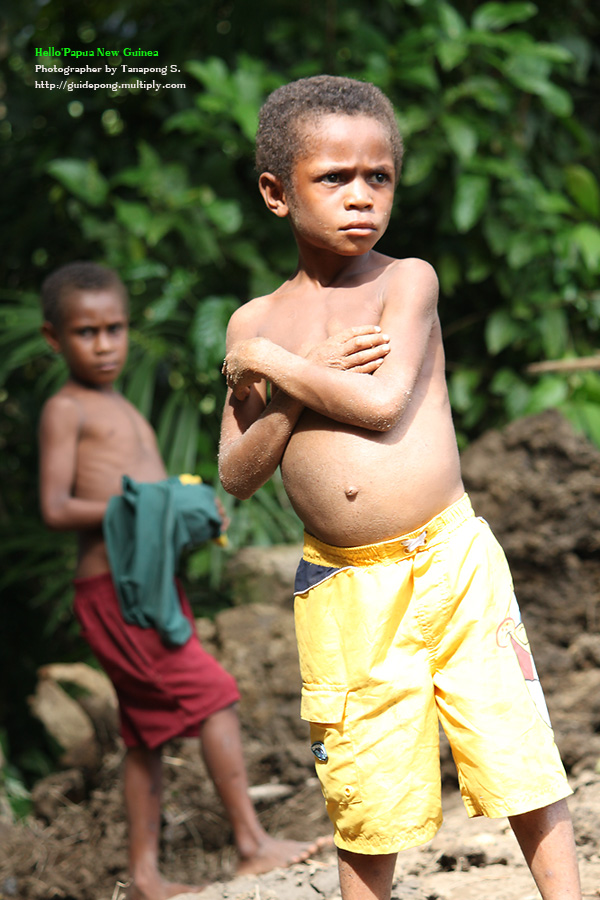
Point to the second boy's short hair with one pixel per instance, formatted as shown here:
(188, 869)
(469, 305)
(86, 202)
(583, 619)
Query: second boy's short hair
(279, 137)
(77, 276)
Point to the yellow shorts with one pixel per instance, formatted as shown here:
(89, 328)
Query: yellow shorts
(394, 635)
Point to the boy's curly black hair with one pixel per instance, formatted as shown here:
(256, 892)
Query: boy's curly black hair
(285, 113)
(77, 276)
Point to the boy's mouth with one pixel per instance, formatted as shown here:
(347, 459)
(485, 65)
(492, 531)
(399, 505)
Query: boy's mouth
(359, 226)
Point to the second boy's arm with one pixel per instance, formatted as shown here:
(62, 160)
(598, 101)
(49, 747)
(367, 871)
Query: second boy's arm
(375, 404)
(58, 434)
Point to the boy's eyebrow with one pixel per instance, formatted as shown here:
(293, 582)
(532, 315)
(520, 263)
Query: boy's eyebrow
(344, 164)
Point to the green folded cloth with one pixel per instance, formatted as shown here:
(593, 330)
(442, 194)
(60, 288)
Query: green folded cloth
(146, 528)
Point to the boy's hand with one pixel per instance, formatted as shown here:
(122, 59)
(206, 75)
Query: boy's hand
(362, 348)
(237, 368)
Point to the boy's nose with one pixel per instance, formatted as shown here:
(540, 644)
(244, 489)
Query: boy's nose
(359, 195)
(102, 342)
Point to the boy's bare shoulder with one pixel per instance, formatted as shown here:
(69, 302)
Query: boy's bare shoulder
(411, 280)
(247, 319)
(65, 403)
(75, 405)
(412, 268)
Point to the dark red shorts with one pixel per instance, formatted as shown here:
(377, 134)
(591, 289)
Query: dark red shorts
(163, 692)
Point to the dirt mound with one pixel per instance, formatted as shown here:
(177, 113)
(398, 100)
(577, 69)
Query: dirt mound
(538, 485)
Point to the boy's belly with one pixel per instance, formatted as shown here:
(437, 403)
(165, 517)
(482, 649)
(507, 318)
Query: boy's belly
(351, 487)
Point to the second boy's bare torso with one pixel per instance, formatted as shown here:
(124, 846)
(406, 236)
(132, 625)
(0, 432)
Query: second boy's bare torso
(114, 440)
(350, 485)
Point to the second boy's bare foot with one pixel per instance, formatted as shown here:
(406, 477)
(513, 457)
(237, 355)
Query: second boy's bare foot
(272, 853)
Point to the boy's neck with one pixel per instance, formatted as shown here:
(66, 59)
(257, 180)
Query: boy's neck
(322, 268)
(73, 381)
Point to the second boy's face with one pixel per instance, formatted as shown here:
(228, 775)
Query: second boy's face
(343, 187)
(93, 337)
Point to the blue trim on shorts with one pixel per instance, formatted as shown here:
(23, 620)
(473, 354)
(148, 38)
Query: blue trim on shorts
(309, 575)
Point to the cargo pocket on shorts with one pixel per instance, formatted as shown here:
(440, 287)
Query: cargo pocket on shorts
(323, 704)
(324, 707)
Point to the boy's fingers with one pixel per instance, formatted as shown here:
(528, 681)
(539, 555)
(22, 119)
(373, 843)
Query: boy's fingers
(368, 354)
(372, 339)
(368, 368)
(371, 357)
(356, 331)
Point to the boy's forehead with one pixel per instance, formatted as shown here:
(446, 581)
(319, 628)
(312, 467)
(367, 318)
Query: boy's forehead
(339, 133)
(91, 302)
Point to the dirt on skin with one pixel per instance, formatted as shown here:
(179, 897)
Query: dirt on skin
(538, 485)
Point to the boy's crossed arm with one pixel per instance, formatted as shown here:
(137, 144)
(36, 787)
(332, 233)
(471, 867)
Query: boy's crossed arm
(254, 432)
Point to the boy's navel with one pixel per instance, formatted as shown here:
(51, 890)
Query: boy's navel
(351, 492)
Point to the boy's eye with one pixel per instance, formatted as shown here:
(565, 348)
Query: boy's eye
(116, 328)
(380, 177)
(85, 332)
(332, 178)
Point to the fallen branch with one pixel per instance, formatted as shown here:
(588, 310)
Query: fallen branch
(579, 364)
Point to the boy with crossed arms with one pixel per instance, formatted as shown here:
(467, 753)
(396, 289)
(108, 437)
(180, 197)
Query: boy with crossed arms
(404, 604)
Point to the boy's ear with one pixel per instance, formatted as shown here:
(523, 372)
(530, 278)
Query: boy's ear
(51, 336)
(274, 195)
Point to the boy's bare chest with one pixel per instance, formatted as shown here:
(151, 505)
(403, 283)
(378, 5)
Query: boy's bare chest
(300, 322)
(111, 423)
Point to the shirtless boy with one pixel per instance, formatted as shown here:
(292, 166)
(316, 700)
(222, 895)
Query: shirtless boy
(404, 604)
(90, 436)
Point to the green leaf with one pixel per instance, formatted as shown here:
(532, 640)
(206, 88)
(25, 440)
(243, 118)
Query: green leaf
(470, 198)
(248, 100)
(189, 121)
(478, 268)
(462, 137)
(208, 329)
(451, 21)
(497, 16)
(528, 72)
(498, 234)
(557, 100)
(582, 185)
(213, 73)
(451, 53)
(448, 269)
(549, 392)
(140, 385)
(418, 166)
(146, 268)
(181, 452)
(413, 119)
(21, 354)
(462, 387)
(136, 217)
(513, 389)
(586, 238)
(81, 178)
(420, 75)
(488, 92)
(225, 214)
(522, 249)
(553, 327)
(501, 330)
(585, 417)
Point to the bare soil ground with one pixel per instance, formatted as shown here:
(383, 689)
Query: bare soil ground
(538, 484)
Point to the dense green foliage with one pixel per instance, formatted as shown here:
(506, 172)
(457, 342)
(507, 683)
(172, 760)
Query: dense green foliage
(498, 104)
